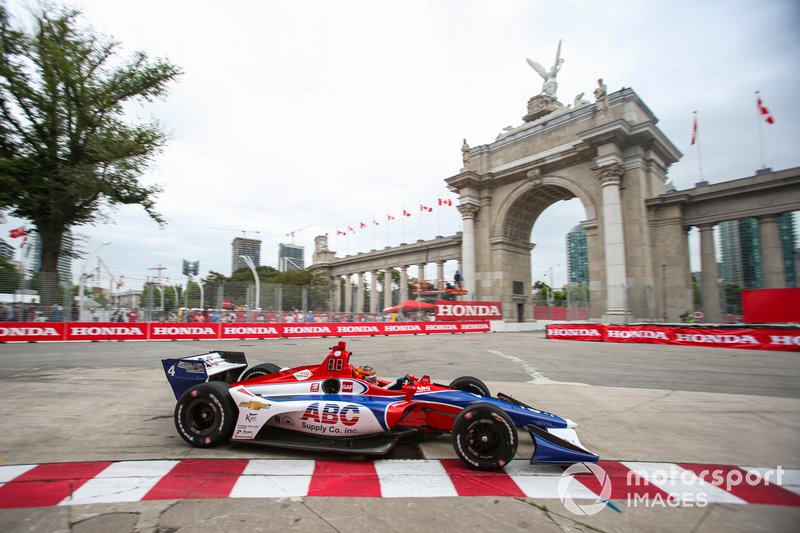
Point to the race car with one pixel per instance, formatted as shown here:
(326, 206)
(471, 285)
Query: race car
(337, 407)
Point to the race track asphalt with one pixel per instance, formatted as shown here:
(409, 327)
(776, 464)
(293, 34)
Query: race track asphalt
(636, 406)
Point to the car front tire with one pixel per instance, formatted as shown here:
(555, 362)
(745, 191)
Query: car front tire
(485, 437)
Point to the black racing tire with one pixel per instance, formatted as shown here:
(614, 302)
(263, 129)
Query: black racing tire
(206, 415)
(470, 384)
(485, 437)
(264, 369)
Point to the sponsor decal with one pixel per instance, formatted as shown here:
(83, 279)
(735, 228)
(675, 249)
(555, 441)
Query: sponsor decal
(576, 332)
(347, 386)
(307, 330)
(28, 332)
(441, 327)
(254, 405)
(192, 368)
(636, 334)
(302, 375)
(447, 310)
(315, 387)
(708, 338)
(468, 327)
(248, 330)
(404, 328)
(423, 388)
(331, 413)
(357, 329)
(784, 340)
(114, 331)
(183, 330)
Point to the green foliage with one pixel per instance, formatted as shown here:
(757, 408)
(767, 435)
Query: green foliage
(65, 151)
(9, 276)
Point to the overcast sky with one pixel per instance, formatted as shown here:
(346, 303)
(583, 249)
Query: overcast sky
(328, 113)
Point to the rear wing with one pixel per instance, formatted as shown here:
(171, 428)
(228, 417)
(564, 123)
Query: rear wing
(187, 372)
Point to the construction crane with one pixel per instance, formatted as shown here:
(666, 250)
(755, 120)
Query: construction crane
(291, 233)
(243, 231)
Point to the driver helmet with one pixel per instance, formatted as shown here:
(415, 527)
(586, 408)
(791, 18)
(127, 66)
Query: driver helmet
(365, 372)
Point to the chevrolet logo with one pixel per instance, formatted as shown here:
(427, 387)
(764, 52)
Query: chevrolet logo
(254, 405)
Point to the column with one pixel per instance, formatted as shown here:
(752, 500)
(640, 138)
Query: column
(709, 287)
(440, 281)
(769, 236)
(337, 294)
(403, 283)
(468, 212)
(421, 272)
(614, 244)
(373, 292)
(360, 295)
(387, 288)
(348, 294)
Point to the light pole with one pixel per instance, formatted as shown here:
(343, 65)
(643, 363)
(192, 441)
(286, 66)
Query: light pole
(550, 302)
(82, 276)
(249, 262)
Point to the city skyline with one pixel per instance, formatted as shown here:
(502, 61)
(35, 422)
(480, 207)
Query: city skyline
(346, 118)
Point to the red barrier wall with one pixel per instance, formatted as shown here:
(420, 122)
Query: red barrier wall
(153, 331)
(771, 305)
(751, 338)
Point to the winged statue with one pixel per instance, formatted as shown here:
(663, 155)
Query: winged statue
(549, 76)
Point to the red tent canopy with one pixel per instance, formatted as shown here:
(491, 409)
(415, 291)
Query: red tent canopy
(410, 306)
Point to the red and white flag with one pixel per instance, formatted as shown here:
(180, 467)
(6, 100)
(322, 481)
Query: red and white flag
(425, 208)
(376, 222)
(763, 110)
(351, 229)
(389, 217)
(339, 232)
(694, 130)
(362, 226)
(445, 201)
(406, 213)
(17, 232)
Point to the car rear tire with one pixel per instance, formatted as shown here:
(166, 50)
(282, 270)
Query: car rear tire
(264, 369)
(205, 415)
(470, 384)
(485, 437)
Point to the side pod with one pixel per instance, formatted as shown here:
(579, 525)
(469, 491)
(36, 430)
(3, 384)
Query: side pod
(555, 450)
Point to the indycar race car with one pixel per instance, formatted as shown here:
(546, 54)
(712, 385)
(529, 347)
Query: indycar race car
(336, 407)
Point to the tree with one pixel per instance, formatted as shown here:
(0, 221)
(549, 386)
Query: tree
(66, 154)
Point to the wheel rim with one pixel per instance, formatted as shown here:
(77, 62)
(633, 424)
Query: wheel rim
(202, 416)
(484, 439)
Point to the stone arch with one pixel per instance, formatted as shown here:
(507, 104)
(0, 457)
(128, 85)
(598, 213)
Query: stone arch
(522, 206)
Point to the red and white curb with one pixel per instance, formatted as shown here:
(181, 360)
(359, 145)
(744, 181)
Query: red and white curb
(131, 481)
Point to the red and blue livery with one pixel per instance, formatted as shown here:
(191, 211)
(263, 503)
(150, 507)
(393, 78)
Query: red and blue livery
(333, 407)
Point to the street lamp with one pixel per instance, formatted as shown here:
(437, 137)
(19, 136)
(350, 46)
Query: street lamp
(550, 302)
(249, 262)
(84, 275)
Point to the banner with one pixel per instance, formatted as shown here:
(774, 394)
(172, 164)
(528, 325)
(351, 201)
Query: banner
(771, 305)
(748, 338)
(575, 332)
(451, 310)
(163, 331)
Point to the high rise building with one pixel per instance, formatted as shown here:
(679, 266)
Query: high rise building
(34, 256)
(290, 257)
(6, 250)
(741, 252)
(244, 247)
(577, 257)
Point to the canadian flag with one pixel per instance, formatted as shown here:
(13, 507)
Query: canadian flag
(376, 222)
(339, 232)
(763, 110)
(425, 208)
(694, 130)
(445, 201)
(351, 229)
(17, 232)
(389, 217)
(362, 226)
(406, 213)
